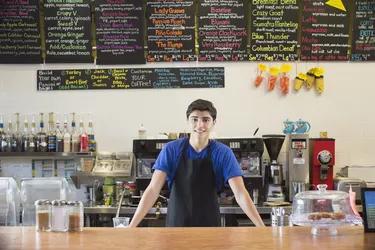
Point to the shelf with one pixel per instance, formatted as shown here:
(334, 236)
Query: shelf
(46, 154)
(99, 174)
(75, 176)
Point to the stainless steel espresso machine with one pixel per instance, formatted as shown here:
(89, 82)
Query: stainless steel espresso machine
(146, 152)
(274, 183)
(248, 152)
(298, 164)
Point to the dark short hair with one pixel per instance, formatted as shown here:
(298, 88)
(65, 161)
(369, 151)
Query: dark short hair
(202, 105)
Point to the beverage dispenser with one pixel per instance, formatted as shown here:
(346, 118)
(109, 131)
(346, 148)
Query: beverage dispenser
(33, 189)
(298, 164)
(322, 160)
(9, 202)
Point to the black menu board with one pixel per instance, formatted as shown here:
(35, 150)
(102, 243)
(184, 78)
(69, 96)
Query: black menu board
(325, 30)
(68, 31)
(363, 36)
(222, 32)
(119, 32)
(20, 32)
(274, 30)
(171, 33)
(145, 78)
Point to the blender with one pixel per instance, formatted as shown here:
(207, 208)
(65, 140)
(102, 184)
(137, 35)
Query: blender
(273, 174)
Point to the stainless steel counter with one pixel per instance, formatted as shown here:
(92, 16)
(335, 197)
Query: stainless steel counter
(131, 210)
(223, 210)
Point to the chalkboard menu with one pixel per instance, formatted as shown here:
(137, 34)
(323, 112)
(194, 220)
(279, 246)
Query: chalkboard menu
(363, 37)
(20, 32)
(325, 30)
(274, 30)
(133, 78)
(68, 31)
(222, 32)
(119, 32)
(171, 34)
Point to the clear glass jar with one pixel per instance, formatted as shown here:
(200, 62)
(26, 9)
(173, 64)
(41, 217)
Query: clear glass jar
(75, 212)
(324, 210)
(59, 216)
(43, 215)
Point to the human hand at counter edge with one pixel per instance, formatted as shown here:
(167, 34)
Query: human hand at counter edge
(243, 199)
(149, 197)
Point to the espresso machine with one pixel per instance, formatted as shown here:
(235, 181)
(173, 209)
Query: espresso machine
(146, 152)
(274, 183)
(248, 152)
(322, 160)
(298, 178)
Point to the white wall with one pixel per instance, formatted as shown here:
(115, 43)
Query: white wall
(344, 110)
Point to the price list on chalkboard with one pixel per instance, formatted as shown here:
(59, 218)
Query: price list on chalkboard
(325, 30)
(20, 32)
(119, 32)
(68, 31)
(274, 30)
(222, 32)
(145, 78)
(363, 36)
(171, 34)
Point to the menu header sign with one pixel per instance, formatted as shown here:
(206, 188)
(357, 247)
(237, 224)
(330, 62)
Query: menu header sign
(363, 36)
(274, 30)
(171, 33)
(68, 31)
(325, 30)
(222, 32)
(119, 32)
(133, 78)
(20, 32)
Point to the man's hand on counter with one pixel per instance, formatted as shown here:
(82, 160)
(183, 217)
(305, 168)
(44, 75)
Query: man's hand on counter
(243, 199)
(149, 197)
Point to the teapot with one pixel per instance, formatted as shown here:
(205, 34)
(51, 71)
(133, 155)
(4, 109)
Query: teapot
(289, 127)
(302, 127)
(298, 127)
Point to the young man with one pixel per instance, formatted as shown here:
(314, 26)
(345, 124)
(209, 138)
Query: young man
(196, 169)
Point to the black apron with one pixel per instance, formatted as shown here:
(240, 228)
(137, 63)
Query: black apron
(193, 199)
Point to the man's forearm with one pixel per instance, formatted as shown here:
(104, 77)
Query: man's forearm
(148, 199)
(249, 208)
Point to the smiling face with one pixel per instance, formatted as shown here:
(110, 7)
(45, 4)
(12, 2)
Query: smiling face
(201, 124)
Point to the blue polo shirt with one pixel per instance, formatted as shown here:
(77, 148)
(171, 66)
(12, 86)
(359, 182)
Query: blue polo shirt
(224, 162)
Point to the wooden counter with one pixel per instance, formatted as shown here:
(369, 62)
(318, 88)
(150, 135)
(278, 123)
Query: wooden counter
(348, 238)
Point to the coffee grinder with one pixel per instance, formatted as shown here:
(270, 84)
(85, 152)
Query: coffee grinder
(273, 175)
(298, 177)
(322, 160)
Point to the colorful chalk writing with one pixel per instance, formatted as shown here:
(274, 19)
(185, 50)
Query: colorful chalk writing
(68, 31)
(171, 34)
(132, 78)
(20, 32)
(325, 30)
(222, 33)
(363, 36)
(119, 32)
(274, 30)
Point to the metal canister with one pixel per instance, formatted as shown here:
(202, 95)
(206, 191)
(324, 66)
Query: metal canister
(119, 189)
